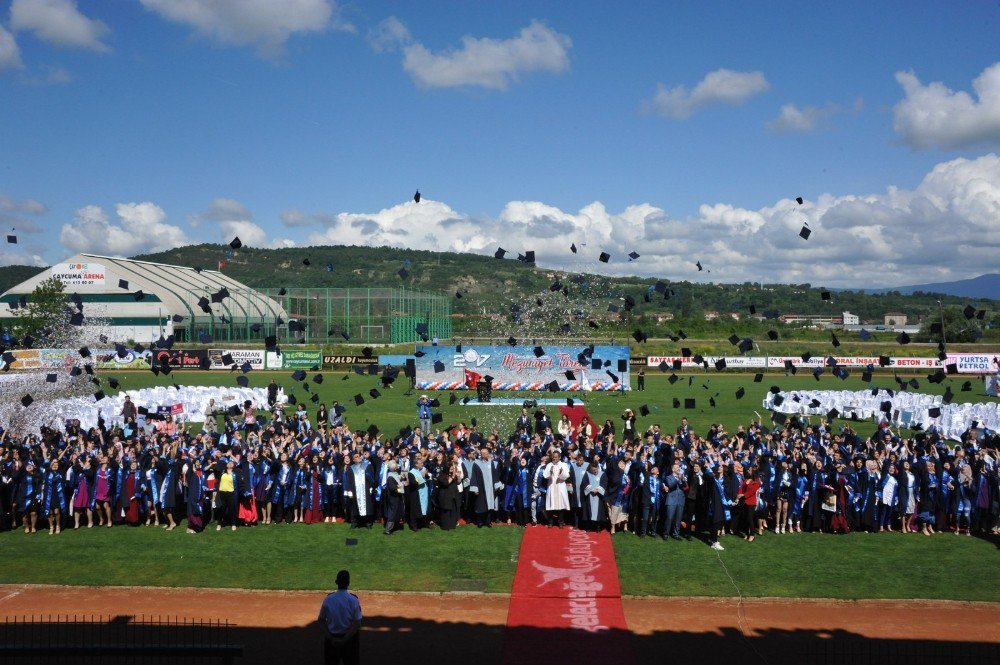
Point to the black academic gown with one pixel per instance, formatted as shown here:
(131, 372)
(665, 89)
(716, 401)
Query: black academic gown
(364, 497)
(393, 498)
(602, 505)
(480, 483)
(448, 502)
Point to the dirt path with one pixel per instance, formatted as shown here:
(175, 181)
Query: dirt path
(276, 626)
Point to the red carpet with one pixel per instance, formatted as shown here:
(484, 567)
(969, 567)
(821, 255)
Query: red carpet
(566, 604)
(576, 414)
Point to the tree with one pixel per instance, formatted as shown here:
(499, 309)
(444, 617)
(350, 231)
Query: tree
(957, 328)
(45, 313)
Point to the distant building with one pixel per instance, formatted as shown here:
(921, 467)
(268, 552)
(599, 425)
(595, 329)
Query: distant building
(895, 319)
(851, 319)
(819, 320)
(665, 316)
(711, 315)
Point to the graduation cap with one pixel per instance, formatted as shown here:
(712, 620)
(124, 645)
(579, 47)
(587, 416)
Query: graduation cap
(374, 393)
(403, 273)
(500, 253)
(633, 255)
(817, 373)
(203, 304)
(778, 400)
(734, 340)
(539, 352)
(689, 403)
(903, 338)
(123, 284)
(866, 376)
(639, 336)
(242, 380)
(50, 378)
(604, 257)
(832, 413)
(570, 376)
(372, 429)
(746, 344)
(236, 243)
(834, 340)
(676, 403)
(614, 377)
(673, 378)
(934, 412)
(644, 410)
(948, 395)
(805, 232)
(865, 335)
(772, 335)
(329, 267)
(359, 400)
(298, 375)
(416, 197)
(12, 239)
(315, 398)
(884, 361)
(553, 386)
(436, 418)
(740, 392)
(270, 342)
(139, 295)
(698, 263)
(711, 401)
(306, 262)
(177, 318)
(572, 248)
(757, 378)
(84, 352)
(367, 352)
(99, 395)
(967, 386)
(720, 364)
(593, 324)
(825, 295)
(969, 311)
(27, 400)
(438, 366)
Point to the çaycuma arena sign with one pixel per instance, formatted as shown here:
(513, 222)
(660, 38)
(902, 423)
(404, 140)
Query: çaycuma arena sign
(518, 368)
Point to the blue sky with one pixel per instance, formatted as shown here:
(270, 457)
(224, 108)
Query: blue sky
(682, 131)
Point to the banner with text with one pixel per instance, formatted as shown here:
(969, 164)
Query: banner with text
(301, 358)
(518, 368)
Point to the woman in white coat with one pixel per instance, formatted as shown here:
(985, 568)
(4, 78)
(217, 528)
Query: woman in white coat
(556, 473)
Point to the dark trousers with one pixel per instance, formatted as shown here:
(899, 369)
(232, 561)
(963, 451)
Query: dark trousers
(672, 525)
(227, 509)
(647, 524)
(348, 653)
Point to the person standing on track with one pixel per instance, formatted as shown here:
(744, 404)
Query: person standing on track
(340, 616)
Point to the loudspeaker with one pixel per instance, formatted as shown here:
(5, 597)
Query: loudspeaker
(410, 369)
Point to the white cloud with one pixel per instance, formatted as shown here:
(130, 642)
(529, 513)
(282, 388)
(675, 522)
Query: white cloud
(794, 120)
(293, 217)
(10, 54)
(388, 35)
(480, 61)
(265, 24)
(13, 258)
(723, 86)
(934, 116)
(59, 22)
(943, 229)
(141, 227)
(28, 206)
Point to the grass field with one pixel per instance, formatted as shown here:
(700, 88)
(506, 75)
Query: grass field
(395, 410)
(307, 557)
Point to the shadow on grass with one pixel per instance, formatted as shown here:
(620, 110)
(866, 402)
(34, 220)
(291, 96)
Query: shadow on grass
(391, 639)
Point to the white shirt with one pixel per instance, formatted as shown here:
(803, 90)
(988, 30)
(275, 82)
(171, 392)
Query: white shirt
(339, 611)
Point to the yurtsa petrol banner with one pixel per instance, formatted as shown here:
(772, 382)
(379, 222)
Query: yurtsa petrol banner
(523, 367)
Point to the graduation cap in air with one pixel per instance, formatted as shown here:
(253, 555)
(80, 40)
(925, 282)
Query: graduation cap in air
(99, 395)
(570, 376)
(298, 375)
(805, 232)
(572, 248)
(903, 338)
(84, 352)
(553, 386)
(745, 345)
(778, 400)
(689, 403)
(539, 352)
(203, 304)
(948, 395)
(698, 263)
(614, 377)
(527, 257)
(644, 410)
(374, 393)
(236, 243)
(500, 253)
(632, 256)
(123, 284)
(604, 257)
(139, 295)
(757, 378)
(177, 318)
(825, 295)
(359, 400)
(817, 373)
(969, 311)
(613, 308)
(403, 273)
(227, 359)
(11, 239)
(436, 418)
(720, 364)
(416, 197)
(27, 400)
(934, 412)
(865, 335)
(834, 340)
(772, 335)
(242, 381)
(673, 378)
(884, 361)
(639, 336)
(866, 376)
(438, 366)
(740, 392)
(734, 340)
(50, 378)
(306, 262)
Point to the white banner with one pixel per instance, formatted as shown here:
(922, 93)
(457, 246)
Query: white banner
(967, 363)
(240, 357)
(976, 363)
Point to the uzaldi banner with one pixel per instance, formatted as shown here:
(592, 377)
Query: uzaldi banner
(350, 360)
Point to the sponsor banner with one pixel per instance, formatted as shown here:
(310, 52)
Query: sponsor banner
(240, 357)
(975, 363)
(301, 358)
(24, 359)
(109, 359)
(351, 360)
(732, 362)
(637, 361)
(517, 368)
(79, 274)
(170, 410)
(179, 358)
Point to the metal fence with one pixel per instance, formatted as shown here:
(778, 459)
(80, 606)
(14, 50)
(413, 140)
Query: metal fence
(147, 639)
(337, 315)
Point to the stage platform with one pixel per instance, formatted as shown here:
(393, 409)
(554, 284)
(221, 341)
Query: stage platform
(519, 401)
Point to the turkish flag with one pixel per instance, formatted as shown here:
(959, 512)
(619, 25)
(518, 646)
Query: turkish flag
(472, 379)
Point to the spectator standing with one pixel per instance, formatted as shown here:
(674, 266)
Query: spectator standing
(340, 617)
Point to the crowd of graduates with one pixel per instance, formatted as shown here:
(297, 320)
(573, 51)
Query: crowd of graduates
(285, 465)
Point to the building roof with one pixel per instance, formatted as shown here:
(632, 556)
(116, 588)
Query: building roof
(168, 290)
